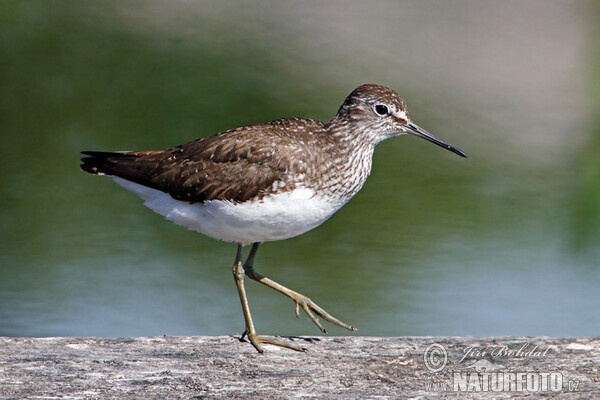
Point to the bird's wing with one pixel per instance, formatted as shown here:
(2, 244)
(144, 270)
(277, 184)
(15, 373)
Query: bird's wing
(236, 165)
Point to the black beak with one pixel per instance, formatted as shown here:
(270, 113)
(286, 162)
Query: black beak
(416, 130)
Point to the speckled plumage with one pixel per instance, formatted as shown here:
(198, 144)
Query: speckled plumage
(326, 163)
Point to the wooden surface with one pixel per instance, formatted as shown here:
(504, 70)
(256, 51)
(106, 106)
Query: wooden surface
(331, 368)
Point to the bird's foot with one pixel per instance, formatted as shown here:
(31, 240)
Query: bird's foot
(311, 308)
(258, 340)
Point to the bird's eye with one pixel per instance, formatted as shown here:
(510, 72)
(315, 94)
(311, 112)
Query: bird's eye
(381, 109)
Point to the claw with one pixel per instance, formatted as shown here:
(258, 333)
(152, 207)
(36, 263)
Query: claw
(314, 319)
(311, 308)
(257, 340)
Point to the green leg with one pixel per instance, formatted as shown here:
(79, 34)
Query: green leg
(238, 276)
(309, 307)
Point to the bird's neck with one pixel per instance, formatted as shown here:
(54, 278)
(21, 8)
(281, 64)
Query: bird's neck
(352, 165)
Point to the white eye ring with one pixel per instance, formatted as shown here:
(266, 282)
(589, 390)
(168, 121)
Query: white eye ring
(381, 109)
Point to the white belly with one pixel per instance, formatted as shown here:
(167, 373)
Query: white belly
(276, 217)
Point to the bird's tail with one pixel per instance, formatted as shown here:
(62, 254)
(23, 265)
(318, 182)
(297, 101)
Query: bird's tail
(105, 162)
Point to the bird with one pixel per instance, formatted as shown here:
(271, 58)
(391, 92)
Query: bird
(266, 182)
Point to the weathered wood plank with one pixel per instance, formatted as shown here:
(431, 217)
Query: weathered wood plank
(332, 367)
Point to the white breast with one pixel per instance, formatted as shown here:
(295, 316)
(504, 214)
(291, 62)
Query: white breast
(275, 217)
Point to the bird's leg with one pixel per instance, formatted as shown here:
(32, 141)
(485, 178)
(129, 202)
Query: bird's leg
(309, 307)
(238, 276)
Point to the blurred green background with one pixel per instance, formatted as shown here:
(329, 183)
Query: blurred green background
(505, 242)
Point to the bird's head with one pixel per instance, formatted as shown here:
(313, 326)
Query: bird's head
(381, 113)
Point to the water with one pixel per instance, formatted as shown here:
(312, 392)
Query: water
(502, 243)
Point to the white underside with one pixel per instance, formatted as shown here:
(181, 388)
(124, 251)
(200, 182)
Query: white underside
(276, 217)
